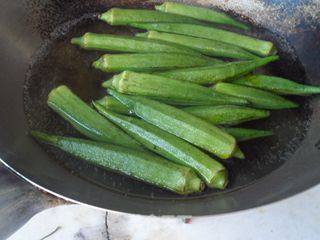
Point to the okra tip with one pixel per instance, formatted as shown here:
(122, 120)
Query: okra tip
(238, 153)
(195, 184)
(98, 105)
(100, 101)
(103, 111)
(124, 99)
(60, 90)
(272, 58)
(265, 60)
(220, 181)
(107, 84)
(265, 133)
(290, 104)
(43, 137)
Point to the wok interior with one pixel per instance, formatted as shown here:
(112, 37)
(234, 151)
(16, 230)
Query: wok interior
(58, 62)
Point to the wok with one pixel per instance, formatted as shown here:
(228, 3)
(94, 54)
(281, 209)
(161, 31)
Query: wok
(36, 56)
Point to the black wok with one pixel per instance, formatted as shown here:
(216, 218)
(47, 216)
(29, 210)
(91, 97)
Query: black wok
(36, 56)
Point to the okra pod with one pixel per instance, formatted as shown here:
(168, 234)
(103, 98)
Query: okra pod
(228, 114)
(169, 90)
(181, 124)
(257, 46)
(117, 16)
(142, 166)
(205, 46)
(257, 97)
(110, 103)
(200, 13)
(86, 120)
(241, 134)
(238, 154)
(245, 134)
(107, 84)
(118, 43)
(277, 85)
(150, 61)
(217, 73)
(171, 147)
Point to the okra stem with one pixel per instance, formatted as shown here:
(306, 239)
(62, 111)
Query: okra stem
(143, 166)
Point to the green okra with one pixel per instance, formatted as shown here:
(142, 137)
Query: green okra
(111, 42)
(86, 120)
(257, 97)
(245, 134)
(142, 166)
(205, 46)
(200, 13)
(181, 124)
(216, 73)
(228, 114)
(111, 103)
(171, 147)
(277, 85)
(108, 84)
(238, 154)
(257, 46)
(169, 90)
(117, 16)
(241, 134)
(220, 115)
(150, 61)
